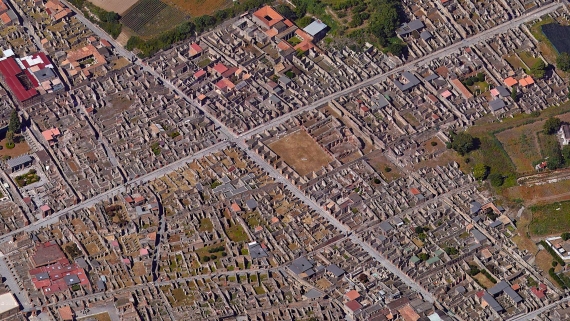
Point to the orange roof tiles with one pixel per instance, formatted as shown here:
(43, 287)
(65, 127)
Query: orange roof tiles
(220, 68)
(283, 45)
(5, 18)
(268, 16)
(510, 81)
(236, 207)
(526, 81)
(461, 88)
(271, 33)
(50, 134)
(409, 314)
(352, 295)
(65, 313)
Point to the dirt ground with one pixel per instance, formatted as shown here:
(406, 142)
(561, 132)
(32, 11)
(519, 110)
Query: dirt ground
(198, 8)
(119, 7)
(20, 148)
(301, 152)
(546, 193)
(379, 162)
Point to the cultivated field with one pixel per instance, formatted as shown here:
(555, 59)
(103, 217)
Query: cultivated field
(149, 18)
(113, 5)
(301, 152)
(196, 8)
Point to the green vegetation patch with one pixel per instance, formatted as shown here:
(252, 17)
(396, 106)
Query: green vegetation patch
(26, 179)
(550, 218)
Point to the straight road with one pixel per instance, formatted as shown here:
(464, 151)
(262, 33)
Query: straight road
(240, 139)
(530, 316)
(54, 218)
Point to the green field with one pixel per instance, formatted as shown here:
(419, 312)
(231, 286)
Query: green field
(550, 219)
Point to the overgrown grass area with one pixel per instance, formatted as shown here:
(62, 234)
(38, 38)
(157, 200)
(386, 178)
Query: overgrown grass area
(237, 234)
(550, 219)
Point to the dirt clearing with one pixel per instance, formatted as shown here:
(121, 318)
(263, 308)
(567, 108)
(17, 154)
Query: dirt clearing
(301, 152)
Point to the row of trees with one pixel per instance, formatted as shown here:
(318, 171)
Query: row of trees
(107, 20)
(14, 127)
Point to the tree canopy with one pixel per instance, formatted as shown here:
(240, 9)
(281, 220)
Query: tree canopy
(480, 171)
(462, 143)
(551, 125)
(563, 61)
(14, 124)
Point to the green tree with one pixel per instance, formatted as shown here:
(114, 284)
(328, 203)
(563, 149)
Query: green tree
(384, 21)
(514, 94)
(480, 171)
(462, 143)
(397, 49)
(566, 153)
(286, 11)
(551, 125)
(14, 124)
(496, 179)
(480, 77)
(563, 61)
(538, 69)
(10, 140)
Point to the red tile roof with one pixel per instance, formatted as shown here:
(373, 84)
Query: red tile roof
(268, 16)
(220, 68)
(9, 69)
(353, 305)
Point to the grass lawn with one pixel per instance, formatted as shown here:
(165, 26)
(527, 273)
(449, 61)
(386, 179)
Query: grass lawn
(544, 45)
(237, 234)
(514, 61)
(528, 59)
(550, 219)
(206, 225)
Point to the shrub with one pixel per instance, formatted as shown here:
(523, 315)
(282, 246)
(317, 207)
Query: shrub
(496, 179)
(480, 171)
(552, 125)
(434, 143)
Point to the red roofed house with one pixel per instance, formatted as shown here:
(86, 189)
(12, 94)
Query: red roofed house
(352, 295)
(458, 85)
(510, 81)
(220, 68)
(3, 7)
(50, 135)
(57, 10)
(46, 253)
(266, 17)
(225, 85)
(195, 50)
(65, 313)
(199, 74)
(352, 307)
(527, 81)
(17, 80)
